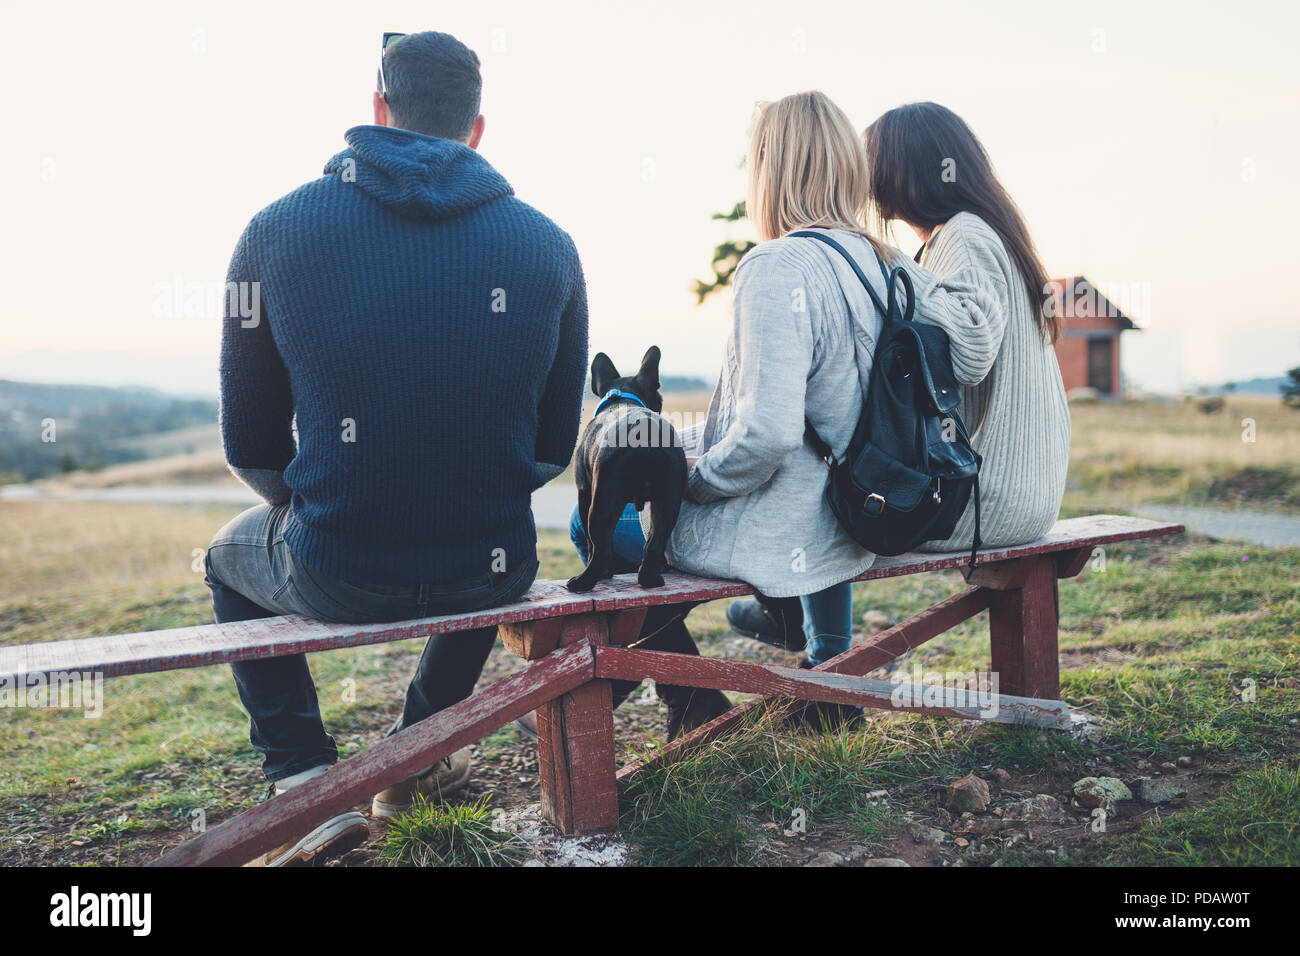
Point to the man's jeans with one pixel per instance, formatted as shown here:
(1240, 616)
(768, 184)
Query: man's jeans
(253, 574)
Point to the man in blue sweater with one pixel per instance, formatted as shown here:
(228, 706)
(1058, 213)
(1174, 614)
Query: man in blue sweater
(402, 363)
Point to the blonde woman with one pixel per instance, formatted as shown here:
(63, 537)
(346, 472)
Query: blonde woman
(801, 345)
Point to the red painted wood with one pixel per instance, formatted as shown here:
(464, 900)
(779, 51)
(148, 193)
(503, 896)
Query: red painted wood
(201, 646)
(575, 747)
(577, 729)
(207, 644)
(1022, 632)
(621, 591)
(293, 814)
(620, 663)
(861, 659)
(1070, 563)
(879, 649)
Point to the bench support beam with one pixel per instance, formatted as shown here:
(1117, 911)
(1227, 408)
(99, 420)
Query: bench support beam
(620, 663)
(1022, 631)
(859, 660)
(290, 815)
(575, 747)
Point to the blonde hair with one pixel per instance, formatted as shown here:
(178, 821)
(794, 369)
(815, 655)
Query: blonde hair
(807, 167)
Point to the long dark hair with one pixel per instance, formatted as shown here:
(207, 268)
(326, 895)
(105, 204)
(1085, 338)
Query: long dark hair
(926, 165)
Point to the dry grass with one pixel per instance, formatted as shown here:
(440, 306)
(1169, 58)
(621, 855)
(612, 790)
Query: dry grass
(56, 552)
(1122, 454)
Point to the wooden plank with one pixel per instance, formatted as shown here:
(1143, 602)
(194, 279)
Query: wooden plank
(998, 575)
(621, 591)
(861, 659)
(532, 640)
(116, 655)
(625, 626)
(575, 747)
(1070, 563)
(292, 814)
(1071, 534)
(1087, 531)
(1022, 632)
(206, 644)
(620, 663)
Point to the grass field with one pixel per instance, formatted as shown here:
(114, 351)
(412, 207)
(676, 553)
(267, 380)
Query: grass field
(1125, 454)
(1185, 653)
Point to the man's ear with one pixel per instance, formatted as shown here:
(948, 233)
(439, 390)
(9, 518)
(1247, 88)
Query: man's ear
(648, 374)
(476, 133)
(603, 374)
(382, 117)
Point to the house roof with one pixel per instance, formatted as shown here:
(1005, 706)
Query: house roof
(1080, 296)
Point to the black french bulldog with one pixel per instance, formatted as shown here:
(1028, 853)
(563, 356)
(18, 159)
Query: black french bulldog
(629, 454)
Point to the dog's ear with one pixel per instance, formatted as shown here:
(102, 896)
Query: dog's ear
(648, 374)
(603, 374)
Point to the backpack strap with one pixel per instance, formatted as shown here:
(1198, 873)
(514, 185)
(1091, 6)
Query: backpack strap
(824, 451)
(890, 312)
(821, 236)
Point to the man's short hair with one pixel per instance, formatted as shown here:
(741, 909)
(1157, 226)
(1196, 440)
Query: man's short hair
(434, 86)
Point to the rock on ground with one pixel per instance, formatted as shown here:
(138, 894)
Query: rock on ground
(1041, 807)
(970, 793)
(1160, 789)
(1100, 792)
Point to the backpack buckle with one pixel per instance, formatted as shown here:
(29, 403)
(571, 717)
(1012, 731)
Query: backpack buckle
(878, 501)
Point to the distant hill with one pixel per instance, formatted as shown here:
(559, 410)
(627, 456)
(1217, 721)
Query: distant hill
(1255, 386)
(92, 426)
(683, 383)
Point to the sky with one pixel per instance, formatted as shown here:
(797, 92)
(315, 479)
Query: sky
(1152, 147)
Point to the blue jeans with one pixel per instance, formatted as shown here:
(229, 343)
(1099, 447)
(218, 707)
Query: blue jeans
(828, 622)
(827, 615)
(253, 574)
(629, 540)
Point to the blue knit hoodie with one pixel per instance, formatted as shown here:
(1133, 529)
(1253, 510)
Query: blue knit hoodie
(427, 333)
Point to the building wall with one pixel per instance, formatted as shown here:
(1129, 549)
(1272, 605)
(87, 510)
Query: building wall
(1072, 356)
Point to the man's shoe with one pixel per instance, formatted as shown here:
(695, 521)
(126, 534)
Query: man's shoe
(823, 716)
(527, 725)
(334, 837)
(692, 709)
(441, 780)
(775, 621)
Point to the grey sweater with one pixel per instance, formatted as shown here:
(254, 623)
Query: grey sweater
(1017, 416)
(802, 340)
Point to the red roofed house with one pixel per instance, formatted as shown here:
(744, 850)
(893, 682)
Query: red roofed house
(1088, 347)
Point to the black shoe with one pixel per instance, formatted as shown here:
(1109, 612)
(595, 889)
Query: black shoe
(689, 708)
(775, 621)
(823, 716)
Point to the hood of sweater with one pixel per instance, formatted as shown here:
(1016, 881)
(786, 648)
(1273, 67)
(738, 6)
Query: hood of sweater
(417, 176)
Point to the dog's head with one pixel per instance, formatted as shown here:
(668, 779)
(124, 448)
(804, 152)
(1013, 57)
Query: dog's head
(644, 384)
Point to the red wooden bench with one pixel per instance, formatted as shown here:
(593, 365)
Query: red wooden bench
(575, 644)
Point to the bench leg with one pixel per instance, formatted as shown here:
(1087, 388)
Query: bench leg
(575, 747)
(1022, 629)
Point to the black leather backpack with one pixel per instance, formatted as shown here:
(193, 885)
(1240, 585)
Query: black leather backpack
(909, 470)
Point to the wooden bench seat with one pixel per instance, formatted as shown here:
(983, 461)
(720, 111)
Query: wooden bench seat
(573, 643)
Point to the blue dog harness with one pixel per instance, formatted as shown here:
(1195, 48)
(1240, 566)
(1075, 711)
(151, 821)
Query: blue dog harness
(614, 393)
